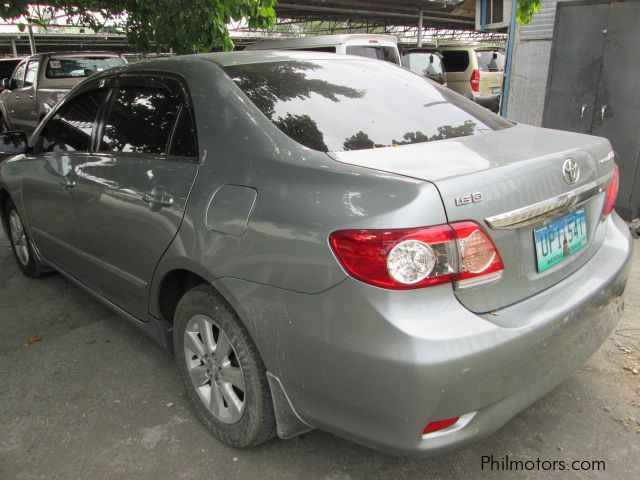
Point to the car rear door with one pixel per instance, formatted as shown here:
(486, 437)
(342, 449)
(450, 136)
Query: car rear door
(48, 187)
(133, 189)
(459, 70)
(491, 68)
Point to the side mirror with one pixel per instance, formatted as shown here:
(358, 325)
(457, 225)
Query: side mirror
(13, 143)
(5, 83)
(495, 55)
(431, 58)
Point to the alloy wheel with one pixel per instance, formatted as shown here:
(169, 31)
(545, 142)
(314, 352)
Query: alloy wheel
(19, 237)
(214, 369)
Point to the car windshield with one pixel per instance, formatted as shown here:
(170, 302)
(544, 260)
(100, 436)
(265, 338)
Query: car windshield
(337, 105)
(424, 63)
(487, 62)
(79, 67)
(388, 54)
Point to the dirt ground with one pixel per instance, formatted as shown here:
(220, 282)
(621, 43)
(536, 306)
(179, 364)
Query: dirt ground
(85, 395)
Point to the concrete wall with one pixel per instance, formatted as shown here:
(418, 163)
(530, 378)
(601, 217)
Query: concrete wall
(531, 56)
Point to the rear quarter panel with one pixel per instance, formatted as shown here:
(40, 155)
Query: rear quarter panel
(302, 196)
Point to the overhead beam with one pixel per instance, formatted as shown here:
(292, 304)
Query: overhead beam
(371, 13)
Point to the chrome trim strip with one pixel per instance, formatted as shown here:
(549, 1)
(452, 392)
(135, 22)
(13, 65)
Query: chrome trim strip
(550, 207)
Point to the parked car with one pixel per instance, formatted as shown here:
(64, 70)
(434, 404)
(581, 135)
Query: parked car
(381, 47)
(476, 72)
(7, 66)
(41, 80)
(425, 61)
(326, 242)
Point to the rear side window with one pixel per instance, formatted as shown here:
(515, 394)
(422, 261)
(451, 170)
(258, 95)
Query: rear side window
(388, 54)
(79, 67)
(336, 105)
(490, 60)
(456, 60)
(140, 120)
(70, 130)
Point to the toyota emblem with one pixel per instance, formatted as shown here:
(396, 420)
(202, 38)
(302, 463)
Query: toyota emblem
(570, 171)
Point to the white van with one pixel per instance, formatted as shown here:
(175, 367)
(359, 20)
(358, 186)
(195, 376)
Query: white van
(382, 47)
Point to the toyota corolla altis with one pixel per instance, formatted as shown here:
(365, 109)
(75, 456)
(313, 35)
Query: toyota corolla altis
(326, 241)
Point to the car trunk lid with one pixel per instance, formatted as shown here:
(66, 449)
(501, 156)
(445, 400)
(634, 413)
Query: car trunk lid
(518, 173)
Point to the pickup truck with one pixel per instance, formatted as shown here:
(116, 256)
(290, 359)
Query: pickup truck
(41, 80)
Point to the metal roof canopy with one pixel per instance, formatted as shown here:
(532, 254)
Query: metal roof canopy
(436, 13)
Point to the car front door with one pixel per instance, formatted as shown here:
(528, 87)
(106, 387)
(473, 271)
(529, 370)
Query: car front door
(11, 96)
(48, 188)
(26, 115)
(133, 190)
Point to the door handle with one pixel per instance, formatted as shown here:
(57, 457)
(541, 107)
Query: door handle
(582, 109)
(67, 183)
(157, 197)
(603, 109)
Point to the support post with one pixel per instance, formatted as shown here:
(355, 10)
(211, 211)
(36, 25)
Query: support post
(32, 41)
(14, 48)
(420, 20)
(509, 63)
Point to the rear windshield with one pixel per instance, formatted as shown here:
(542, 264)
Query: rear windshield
(424, 63)
(79, 67)
(490, 60)
(388, 54)
(337, 105)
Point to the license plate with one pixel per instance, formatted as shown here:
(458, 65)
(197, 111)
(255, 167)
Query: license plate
(562, 238)
(496, 90)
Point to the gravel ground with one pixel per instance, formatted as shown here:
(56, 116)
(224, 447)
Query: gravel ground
(85, 395)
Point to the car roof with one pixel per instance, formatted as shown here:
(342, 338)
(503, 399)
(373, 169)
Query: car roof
(320, 40)
(228, 59)
(79, 53)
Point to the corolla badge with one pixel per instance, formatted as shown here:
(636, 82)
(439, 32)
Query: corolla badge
(570, 171)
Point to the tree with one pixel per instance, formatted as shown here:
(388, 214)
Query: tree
(526, 9)
(187, 26)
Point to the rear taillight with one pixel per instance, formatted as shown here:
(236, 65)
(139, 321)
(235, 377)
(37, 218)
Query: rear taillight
(475, 80)
(612, 192)
(402, 259)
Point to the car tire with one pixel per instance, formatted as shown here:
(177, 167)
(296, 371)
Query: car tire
(21, 245)
(222, 369)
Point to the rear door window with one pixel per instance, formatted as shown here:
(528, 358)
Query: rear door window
(351, 104)
(456, 60)
(184, 142)
(71, 128)
(490, 60)
(378, 52)
(140, 120)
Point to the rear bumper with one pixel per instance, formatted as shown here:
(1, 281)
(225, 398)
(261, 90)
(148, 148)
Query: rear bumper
(492, 102)
(375, 366)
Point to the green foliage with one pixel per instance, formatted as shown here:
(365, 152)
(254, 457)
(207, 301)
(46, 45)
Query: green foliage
(526, 9)
(187, 26)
